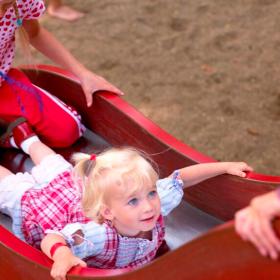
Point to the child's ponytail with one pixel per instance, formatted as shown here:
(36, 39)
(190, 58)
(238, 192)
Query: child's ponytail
(83, 164)
(91, 198)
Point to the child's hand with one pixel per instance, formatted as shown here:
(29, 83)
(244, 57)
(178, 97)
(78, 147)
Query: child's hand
(238, 168)
(253, 224)
(64, 260)
(91, 82)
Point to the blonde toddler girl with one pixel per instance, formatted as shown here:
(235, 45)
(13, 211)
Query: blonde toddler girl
(108, 209)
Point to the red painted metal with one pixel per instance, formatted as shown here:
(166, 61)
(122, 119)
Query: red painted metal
(121, 124)
(219, 254)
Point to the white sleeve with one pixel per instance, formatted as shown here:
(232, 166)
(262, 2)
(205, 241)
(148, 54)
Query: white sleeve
(170, 191)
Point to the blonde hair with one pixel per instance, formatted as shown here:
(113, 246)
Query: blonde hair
(22, 35)
(112, 168)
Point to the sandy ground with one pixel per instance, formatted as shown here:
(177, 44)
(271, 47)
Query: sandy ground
(206, 71)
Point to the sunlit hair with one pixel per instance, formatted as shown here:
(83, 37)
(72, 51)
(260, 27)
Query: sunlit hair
(22, 35)
(116, 167)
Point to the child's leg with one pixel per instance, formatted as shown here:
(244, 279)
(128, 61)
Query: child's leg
(12, 187)
(19, 134)
(60, 125)
(4, 172)
(57, 124)
(48, 164)
(38, 151)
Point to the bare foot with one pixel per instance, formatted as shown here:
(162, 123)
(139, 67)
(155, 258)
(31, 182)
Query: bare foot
(65, 12)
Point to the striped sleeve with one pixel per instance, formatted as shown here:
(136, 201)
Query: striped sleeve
(170, 191)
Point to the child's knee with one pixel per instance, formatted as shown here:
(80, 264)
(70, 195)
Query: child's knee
(64, 134)
(12, 188)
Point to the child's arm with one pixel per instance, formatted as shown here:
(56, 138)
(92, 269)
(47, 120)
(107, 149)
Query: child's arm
(49, 46)
(194, 174)
(63, 258)
(170, 190)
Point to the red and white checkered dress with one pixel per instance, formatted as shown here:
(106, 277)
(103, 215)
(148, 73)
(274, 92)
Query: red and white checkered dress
(51, 207)
(122, 252)
(103, 247)
(57, 207)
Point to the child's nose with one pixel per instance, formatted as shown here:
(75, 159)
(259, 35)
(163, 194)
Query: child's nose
(147, 205)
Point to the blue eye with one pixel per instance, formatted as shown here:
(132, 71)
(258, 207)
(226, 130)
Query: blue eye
(152, 194)
(133, 202)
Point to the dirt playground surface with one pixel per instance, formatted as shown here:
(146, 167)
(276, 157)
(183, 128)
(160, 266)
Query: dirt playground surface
(208, 72)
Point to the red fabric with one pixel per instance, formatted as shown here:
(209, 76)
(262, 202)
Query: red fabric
(22, 132)
(55, 246)
(56, 124)
(51, 207)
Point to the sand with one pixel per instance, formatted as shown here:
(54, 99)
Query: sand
(205, 71)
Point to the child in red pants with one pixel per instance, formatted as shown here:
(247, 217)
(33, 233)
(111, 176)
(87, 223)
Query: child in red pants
(57, 125)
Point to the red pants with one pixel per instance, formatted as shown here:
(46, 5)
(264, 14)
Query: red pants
(56, 124)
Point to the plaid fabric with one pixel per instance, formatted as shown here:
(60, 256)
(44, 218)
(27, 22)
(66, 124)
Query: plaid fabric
(119, 253)
(103, 247)
(51, 207)
(57, 207)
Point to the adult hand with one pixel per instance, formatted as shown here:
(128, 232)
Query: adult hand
(254, 224)
(91, 82)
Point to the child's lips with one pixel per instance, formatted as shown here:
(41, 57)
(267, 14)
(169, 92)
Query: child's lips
(149, 219)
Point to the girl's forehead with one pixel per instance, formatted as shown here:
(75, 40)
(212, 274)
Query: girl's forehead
(126, 191)
(117, 191)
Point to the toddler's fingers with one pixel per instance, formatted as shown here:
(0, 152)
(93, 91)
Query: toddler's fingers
(58, 275)
(239, 173)
(248, 168)
(81, 263)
